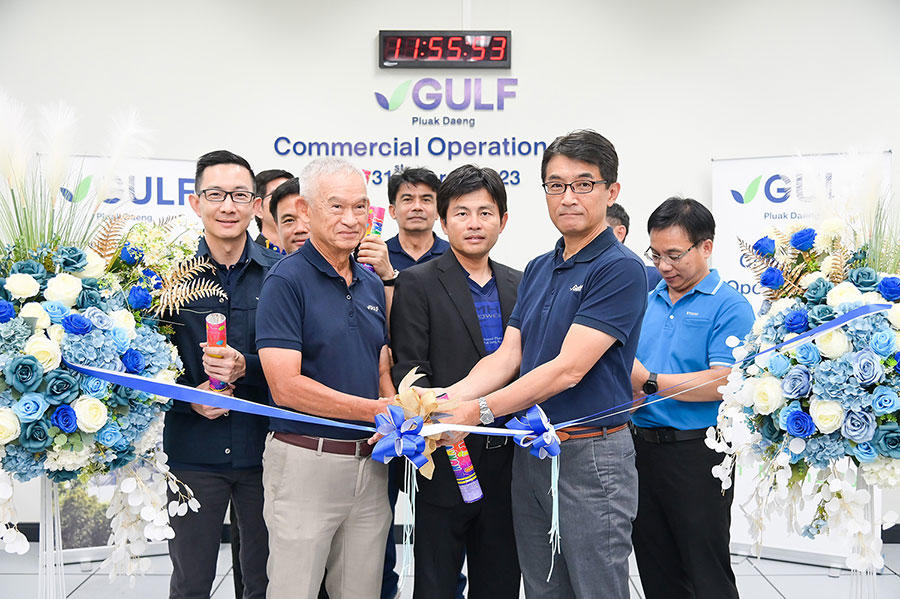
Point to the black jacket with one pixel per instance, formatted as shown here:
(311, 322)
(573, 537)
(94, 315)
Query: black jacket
(434, 327)
(236, 440)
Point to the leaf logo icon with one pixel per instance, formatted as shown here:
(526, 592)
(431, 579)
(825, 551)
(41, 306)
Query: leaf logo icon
(397, 97)
(749, 193)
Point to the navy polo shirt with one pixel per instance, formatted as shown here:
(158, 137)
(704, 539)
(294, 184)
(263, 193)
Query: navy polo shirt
(487, 307)
(689, 336)
(603, 286)
(305, 305)
(401, 260)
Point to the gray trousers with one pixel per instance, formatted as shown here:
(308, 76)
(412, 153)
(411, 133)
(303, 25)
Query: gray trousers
(597, 504)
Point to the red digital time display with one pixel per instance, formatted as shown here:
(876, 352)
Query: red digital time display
(423, 49)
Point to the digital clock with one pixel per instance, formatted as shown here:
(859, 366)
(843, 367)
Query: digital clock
(429, 49)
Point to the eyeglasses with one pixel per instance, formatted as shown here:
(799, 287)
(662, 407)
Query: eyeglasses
(670, 260)
(557, 188)
(219, 195)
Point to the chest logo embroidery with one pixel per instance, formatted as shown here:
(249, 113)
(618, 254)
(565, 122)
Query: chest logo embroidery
(576, 288)
(372, 308)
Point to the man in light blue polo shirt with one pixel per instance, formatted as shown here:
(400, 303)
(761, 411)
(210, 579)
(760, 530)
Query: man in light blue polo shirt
(572, 337)
(681, 534)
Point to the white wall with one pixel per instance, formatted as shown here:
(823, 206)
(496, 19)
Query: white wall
(672, 84)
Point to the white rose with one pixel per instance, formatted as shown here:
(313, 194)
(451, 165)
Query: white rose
(779, 306)
(36, 311)
(164, 376)
(124, 319)
(45, 350)
(843, 293)
(767, 396)
(872, 297)
(90, 412)
(63, 288)
(893, 315)
(22, 286)
(827, 415)
(807, 279)
(56, 332)
(95, 268)
(9, 426)
(833, 344)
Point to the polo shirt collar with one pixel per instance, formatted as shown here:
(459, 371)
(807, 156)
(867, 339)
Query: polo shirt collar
(252, 251)
(312, 255)
(597, 246)
(708, 285)
(393, 245)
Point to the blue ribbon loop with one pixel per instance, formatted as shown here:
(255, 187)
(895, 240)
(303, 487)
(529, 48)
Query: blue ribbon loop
(401, 437)
(538, 435)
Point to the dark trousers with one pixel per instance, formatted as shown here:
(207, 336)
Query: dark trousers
(195, 548)
(236, 553)
(482, 531)
(682, 531)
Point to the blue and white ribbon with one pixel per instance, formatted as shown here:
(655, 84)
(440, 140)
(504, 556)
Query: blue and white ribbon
(402, 437)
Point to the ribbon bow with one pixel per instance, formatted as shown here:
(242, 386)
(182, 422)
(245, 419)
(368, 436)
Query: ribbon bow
(401, 437)
(537, 433)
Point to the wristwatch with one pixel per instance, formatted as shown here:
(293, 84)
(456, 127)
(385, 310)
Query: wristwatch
(390, 282)
(486, 416)
(651, 386)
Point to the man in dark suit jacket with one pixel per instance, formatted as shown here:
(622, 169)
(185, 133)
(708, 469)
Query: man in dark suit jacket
(447, 314)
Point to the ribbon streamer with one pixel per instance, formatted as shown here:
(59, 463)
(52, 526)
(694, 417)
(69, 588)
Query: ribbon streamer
(401, 437)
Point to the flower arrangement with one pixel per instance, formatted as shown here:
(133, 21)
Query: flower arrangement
(824, 411)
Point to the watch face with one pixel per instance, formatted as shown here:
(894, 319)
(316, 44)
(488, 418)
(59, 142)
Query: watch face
(650, 387)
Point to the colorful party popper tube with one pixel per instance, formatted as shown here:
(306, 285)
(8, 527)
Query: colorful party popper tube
(374, 225)
(215, 337)
(465, 472)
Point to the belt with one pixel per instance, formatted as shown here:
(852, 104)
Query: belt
(667, 435)
(586, 432)
(359, 449)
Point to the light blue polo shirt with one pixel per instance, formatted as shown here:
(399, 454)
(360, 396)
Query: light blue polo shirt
(689, 337)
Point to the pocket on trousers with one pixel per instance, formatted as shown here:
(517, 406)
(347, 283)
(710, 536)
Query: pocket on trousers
(601, 463)
(273, 467)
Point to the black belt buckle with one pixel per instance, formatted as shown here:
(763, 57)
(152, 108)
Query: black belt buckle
(495, 442)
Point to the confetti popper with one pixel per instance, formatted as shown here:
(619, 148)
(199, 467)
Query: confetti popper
(215, 337)
(373, 227)
(465, 472)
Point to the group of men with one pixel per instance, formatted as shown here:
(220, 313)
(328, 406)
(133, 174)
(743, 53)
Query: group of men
(324, 320)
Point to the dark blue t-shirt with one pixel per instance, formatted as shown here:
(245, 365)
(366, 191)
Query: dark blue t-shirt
(604, 287)
(305, 305)
(401, 260)
(487, 307)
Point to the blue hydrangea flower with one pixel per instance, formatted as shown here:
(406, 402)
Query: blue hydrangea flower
(821, 451)
(157, 355)
(137, 420)
(13, 335)
(23, 464)
(93, 349)
(833, 380)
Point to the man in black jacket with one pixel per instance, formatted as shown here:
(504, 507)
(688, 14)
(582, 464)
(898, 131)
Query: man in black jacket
(447, 314)
(216, 453)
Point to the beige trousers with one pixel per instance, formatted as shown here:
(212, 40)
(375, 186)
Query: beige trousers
(324, 511)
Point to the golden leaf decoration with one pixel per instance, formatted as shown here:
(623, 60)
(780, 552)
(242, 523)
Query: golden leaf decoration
(841, 269)
(109, 237)
(181, 286)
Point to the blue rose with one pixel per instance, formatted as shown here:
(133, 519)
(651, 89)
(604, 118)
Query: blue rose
(130, 254)
(818, 290)
(7, 311)
(76, 324)
(887, 440)
(61, 476)
(796, 321)
(98, 318)
(70, 259)
(865, 278)
(797, 382)
(121, 339)
(110, 435)
(91, 385)
(139, 298)
(808, 354)
(864, 452)
(30, 407)
(4, 294)
(764, 247)
(60, 387)
(785, 411)
(35, 436)
(889, 288)
(867, 368)
(772, 278)
(151, 278)
(56, 310)
(779, 365)
(858, 426)
(883, 342)
(133, 361)
(769, 431)
(803, 239)
(33, 268)
(799, 424)
(89, 298)
(884, 400)
(897, 365)
(23, 373)
(64, 418)
(820, 314)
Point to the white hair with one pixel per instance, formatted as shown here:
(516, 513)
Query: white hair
(320, 167)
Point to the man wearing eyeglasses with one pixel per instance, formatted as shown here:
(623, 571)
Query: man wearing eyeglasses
(572, 337)
(266, 183)
(681, 534)
(216, 453)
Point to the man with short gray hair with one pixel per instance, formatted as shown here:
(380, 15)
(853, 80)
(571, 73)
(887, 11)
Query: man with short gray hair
(322, 339)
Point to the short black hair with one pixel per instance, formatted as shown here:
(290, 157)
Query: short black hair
(616, 215)
(413, 176)
(689, 214)
(587, 146)
(288, 188)
(219, 157)
(263, 178)
(466, 179)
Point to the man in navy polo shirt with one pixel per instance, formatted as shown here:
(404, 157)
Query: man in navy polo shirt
(412, 195)
(322, 338)
(572, 335)
(681, 534)
(266, 183)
